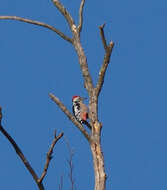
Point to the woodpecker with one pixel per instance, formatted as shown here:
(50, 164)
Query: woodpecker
(80, 110)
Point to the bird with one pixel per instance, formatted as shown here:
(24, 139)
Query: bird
(80, 110)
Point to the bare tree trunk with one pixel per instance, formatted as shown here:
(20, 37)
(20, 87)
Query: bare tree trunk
(98, 159)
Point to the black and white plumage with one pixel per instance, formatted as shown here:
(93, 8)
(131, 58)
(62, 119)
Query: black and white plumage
(80, 110)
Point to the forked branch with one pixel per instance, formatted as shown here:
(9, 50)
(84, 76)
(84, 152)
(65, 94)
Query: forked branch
(70, 116)
(25, 161)
(49, 156)
(61, 34)
(20, 154)
(108, 50)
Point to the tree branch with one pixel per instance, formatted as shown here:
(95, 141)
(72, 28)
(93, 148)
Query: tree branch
(70, 116)
(106, 60)
(70, 163)
(103, 36)
(88, 83)
(0, 115)
(20, 154)
(81, 16)
(62, 35)
(64, 12)
(61, 183)
(49, 156)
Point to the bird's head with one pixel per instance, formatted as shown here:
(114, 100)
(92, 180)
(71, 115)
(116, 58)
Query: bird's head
(77, 98)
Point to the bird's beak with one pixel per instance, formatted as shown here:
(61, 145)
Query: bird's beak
(83, 98)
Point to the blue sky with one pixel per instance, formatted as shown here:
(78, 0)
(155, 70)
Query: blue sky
(132, 105)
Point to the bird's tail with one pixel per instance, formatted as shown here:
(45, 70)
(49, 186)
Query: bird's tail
(87, 124)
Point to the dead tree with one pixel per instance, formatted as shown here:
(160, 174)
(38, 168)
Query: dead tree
(93, 138)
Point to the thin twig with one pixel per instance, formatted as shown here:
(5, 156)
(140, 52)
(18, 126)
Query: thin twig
(104, 68)
(106, 60)
(103, 36)
(70, 116)
(70, 163)
(64, 12)
(0, 115)
(61, 34)
(61, 183)
(49, 156)
(20, 154)
(81, 16)
(71, 171)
